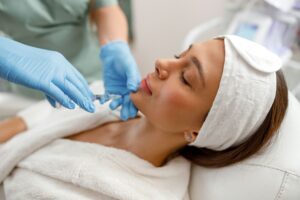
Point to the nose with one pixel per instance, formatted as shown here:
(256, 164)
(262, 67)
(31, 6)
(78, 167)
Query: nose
(161, 69)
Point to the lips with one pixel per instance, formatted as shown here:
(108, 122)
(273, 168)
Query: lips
(145, 86)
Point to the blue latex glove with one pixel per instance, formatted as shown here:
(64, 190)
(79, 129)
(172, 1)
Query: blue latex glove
(47, 71)
(121, 76)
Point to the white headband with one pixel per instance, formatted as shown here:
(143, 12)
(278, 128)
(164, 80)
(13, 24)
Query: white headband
(245, 95)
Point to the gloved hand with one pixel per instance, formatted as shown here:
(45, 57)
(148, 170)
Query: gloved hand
(120, 75)
(44, 70)
(128, 109)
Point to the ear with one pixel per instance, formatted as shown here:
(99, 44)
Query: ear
(190, 136)
(195, 134)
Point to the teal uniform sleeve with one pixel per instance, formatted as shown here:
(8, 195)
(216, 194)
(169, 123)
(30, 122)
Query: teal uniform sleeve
(104, 3)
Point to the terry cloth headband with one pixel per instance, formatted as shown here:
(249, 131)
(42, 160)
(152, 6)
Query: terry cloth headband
(246, 93)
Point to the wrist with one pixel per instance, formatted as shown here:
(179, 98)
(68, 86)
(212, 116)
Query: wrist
(113, 48)
(11, 127)
(114, 42)
(104, 41)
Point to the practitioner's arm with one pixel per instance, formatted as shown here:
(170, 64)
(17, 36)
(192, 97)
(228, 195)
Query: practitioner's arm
(11, 127)
(111, 24)
(120, 72)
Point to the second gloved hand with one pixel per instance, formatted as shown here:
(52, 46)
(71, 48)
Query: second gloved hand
(128, 109)
(121, 76)
(44, 70)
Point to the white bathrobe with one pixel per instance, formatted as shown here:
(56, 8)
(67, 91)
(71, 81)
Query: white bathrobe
(39, 164)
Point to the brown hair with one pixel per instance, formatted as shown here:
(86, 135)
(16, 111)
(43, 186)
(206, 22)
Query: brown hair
(269, 127)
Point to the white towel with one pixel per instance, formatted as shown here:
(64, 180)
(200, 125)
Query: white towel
(37, 164)
(75, 170)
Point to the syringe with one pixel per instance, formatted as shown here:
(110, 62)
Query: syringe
(105, 97)
(101, 97)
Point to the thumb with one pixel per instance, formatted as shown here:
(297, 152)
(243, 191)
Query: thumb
(133, 79)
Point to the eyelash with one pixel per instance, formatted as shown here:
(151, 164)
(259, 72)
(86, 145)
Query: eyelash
(182, 79)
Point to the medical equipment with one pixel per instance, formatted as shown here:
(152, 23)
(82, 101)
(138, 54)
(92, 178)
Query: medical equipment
(251, 25)
(296, 5)
(105, 97)
(283, 5)
(99, 97)
(275, 31)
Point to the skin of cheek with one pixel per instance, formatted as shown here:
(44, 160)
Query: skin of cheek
(175, 108)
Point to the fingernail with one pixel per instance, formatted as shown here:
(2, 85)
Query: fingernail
(57, 105)
(88, 106)
(71, 105)
(91, 95)
(133, 114)
(113, 105)
(102, 101)
(53, 104)
(123, 117)
(68, 104)
(132, 88)
(91, 108)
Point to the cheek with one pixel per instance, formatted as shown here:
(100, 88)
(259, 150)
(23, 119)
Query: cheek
(173, 98)
(175, 110)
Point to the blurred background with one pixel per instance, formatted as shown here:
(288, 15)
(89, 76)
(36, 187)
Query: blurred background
(159, 27)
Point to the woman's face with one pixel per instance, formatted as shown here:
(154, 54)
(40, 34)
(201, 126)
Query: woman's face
(177, 96)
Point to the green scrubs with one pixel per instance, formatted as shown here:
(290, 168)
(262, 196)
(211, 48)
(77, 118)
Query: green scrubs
(60, 25)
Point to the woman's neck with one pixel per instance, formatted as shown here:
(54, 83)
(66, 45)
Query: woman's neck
(140, 137)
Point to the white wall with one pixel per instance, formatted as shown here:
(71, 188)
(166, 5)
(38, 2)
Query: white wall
(161, 25)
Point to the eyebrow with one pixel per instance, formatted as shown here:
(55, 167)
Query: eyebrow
(183, 53)
(198, 65)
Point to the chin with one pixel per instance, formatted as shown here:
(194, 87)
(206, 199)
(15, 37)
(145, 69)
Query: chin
(141, 102)
(138, 100)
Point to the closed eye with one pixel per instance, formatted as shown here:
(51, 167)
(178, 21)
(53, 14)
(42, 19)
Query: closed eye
(183, 80)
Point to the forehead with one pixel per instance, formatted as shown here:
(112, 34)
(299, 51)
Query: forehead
(213, 49)
(211, 53)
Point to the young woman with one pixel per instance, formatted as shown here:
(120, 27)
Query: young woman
(215, 104)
